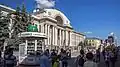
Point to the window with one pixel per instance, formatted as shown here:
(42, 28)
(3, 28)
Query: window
(59, 20)
(49, 13)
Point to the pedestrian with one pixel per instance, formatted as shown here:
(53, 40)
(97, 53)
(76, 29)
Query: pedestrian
(112, 58)
(44, 60)
(53, 56)
(69, 53)
(89, 62)
(1, 59)
(10, 59)
(48, 53)
(64, 59)
(60, 57)
(98, 55)
(103, 53)
(80, 59)
(107, 58)
(56, 62)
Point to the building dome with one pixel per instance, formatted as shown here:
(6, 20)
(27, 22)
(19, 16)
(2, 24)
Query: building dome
(57, 15)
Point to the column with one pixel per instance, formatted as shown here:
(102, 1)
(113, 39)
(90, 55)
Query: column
(69, 38)
(48, 34)
(60, 38)
(39, 27)
(66, 43)
(63, 37)
(56, 33)
(46, 29)
(46, 43)
(26, 44)
(43, 45)
(53, 35)
(42, 28)
(35, 45)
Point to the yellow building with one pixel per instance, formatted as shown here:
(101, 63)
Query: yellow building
(92, 43)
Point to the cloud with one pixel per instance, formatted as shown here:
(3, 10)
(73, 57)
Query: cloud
(88, 32)
(45, 3)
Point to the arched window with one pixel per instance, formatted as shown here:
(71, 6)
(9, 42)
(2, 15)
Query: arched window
(59, 20)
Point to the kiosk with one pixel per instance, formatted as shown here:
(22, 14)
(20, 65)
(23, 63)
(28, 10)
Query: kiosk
(32, 46)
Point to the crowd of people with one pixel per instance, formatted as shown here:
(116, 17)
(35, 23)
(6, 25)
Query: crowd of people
(110, 57)
(8, 59)
(48, 58)
(55, 58)
(92, 60)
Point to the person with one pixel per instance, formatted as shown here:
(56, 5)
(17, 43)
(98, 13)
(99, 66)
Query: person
(107, 58)
(56, 62)
(1, 59)
(10, 59)
(53, 56)
(60, 57)
(80, 59)
(103, 53)
(98, 55)
(69, 53)
(64, 59)
(89, 62)
(48, 53)
(112, 58)
(44, 60)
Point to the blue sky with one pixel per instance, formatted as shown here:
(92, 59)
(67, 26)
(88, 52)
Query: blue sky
(97, 16)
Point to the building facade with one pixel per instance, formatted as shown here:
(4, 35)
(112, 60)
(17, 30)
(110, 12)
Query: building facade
(93, 43)
(57, 27)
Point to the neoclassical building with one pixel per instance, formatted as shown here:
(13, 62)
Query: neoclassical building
(57, 27)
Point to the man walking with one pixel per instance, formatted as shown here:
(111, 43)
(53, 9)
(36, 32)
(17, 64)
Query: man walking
(44, 60)
(80, 59)
(10, 59)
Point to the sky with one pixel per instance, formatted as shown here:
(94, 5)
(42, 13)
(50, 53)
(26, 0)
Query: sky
(91, 17)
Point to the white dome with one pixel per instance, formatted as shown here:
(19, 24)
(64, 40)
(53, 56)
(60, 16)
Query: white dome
(53, 13)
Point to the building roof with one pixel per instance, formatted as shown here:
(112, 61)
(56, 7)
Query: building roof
(5, 8)
(79, 33)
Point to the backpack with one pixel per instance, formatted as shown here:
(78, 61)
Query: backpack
(56, 64)
(80, 61)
